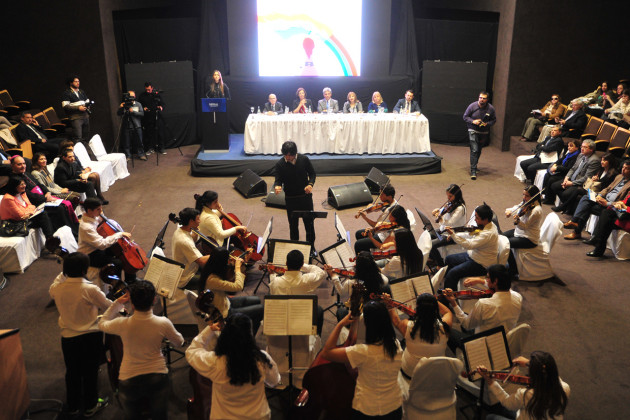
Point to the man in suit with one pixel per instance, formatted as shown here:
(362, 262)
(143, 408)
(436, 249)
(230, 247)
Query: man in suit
(29, 129)
(552, 143)
(68, 175)
(407, 105)
(573, 125)
(273, 107)
(616, 191)
(586, 165)
(327, 104)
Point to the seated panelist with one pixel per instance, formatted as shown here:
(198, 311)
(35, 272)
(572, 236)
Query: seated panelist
(407, 105)
(328, 105)
(273, 107)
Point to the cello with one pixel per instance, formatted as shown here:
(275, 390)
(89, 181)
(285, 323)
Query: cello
(247, 240)
(132, 256)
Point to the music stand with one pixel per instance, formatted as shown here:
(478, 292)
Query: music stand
(277, 250)
(342, 233)
(337, 255)
(428, 226)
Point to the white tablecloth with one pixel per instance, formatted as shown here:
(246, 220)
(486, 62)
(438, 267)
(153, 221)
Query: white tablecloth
(338, 133)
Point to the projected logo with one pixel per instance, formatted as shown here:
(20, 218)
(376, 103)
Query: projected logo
(299, 38)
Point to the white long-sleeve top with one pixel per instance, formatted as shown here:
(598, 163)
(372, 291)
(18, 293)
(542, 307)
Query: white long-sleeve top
(210, 225)
(503, 308)
(456, 218)
(142, 334)
(528, 224)
(482, 247)
(303, 282)
(520, 399)
(90, 240)
(220, 287)
(237, 402)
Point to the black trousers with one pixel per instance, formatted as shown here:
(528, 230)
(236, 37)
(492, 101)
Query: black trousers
(82, 355)
(516, 243)
(303, 202)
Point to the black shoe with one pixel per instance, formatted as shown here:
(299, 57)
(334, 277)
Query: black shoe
(100, 404)
(105, 202)
(596, 253)
(557, 209)
(590, 241)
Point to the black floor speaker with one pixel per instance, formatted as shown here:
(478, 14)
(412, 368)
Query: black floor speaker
(275, 200)
(250, 185)
(376, 180)
(349, 195)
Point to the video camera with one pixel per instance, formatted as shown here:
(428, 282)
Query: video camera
(88, 105)
(128, 100)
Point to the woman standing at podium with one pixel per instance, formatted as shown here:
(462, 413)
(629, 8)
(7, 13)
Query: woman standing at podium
(216, 88)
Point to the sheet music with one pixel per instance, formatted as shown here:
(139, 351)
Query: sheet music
(345, 234)
(477, 354)
(275, 318)
(403, 292)
(38, 210)
(165, 276)
(262, 240)
(591, 194)
(422, 284)
(498, 353)
(54, 203)
(332, 258)
(300, 317)
(345, 253)
(546, 157)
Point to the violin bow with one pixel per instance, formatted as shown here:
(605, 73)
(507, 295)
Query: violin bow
(527, 203)
(387, 211)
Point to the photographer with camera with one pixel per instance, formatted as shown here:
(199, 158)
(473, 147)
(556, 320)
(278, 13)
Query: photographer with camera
(132, 113)
(76, 104)
(152, 121)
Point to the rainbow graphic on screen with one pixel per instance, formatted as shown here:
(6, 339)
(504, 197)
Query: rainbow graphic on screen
(307, 40)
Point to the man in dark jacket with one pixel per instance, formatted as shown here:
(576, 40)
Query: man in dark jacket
(552, 143)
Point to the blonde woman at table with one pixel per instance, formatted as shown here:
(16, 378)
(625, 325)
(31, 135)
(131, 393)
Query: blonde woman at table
(377, 103)
(301, 105)
(352, 105)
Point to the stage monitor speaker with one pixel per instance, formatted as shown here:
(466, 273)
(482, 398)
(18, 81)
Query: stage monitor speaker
(376, 180)
(349, 195)
(275, 200)
(250, 184)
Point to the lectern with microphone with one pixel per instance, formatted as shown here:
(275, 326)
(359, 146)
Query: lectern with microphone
(214, 124)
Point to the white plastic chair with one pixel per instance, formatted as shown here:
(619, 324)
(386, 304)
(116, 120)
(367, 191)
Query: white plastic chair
(518, 171)
(424, 243)
(619, 244)
(540, 178)
(102, 168)
(438, 279)
(533, 263)
(504, 250)
(118, 160)
(432, 389)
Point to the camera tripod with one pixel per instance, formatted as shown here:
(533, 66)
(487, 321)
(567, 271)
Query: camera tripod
(132, 134)
(155, 124)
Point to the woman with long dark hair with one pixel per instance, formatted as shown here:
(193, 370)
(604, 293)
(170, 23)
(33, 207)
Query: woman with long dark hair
(409, 257)
(41, 173)
(217, 276)
(377, 394)
(216, 88)
(545, 398)
(239, 370)
(426, 334)
(397, 217)
(16, 206)
(452, 213)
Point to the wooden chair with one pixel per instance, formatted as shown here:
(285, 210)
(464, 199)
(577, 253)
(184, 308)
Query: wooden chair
(592, 128)
(25, 146)
(9, 105)
(54, 121)
(44, 124)
(605, 134)
(619, 142)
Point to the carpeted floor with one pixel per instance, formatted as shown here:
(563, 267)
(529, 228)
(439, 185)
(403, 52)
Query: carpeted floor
(580, 323)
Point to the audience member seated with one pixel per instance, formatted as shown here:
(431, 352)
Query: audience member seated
(301, 105)
(42, 175)
(29, 129)
(16, 207)
(328, 105)
(407, 105)
(273, 107)
(604, 99)
(574, 124)
(558, 170)
(352, 105)
(548, 113)
(68, 175)
(614, 217)
(377, 103)
(483, 249)
(619, 113)
(616, 191)
(552, 143)
(596, 183)
(586, 165)
(92, 176)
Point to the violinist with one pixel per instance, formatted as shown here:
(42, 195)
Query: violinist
(528, 219)
(387, 200)
(184, 249)
(380, 236)
(452, 213)
(214, 276)
(409, 257)
(483, 248)
(545, 398)
(503, 308)
(98, 248)
(426, 334)
(210, 208)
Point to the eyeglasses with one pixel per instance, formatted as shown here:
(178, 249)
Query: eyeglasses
(554, 99)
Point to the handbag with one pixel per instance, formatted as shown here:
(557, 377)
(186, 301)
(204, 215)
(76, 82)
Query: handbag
(595, 186)
(10, 228)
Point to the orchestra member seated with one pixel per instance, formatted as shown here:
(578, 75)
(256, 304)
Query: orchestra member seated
(482, 246)
(380, 232)
(545, 114)
(408, 258)
(15, 206)
(503, 308)
(377, 393)
(545, 397)
(352, 105)
(452, 213)
(426, 334)
(528, 219)
(386, 199)
(302, 105)
(217, 276)
(377, 104)
(143, 376)
(238, 369)
(551, 143)
(613, 217)
(96, 247)
(575, 122)
(184, 249)
(558, 170)
(210, 218)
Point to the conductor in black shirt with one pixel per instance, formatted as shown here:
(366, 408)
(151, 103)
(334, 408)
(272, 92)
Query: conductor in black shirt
(295, 174)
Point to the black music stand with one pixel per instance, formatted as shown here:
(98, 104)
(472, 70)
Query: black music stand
(332, 255)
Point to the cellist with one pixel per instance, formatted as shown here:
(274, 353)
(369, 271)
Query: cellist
(184, 249)
(98, 248)
(210, 219)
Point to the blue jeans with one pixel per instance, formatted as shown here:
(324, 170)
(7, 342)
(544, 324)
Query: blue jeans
(584, 210)
(141, 392)
(477, 141)
(461, 265)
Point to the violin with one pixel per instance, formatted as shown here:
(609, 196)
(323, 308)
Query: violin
(379, 255)
(469, 294)
(446, 208)
(246, 240)
(109, 275)
(273, 268)
(504, 376)
(391, 303)
(132, 256)
(372, 208)
(343, 272)
(380, 227)
(207, 310)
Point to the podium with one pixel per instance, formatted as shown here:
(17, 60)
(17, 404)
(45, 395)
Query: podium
(214, 125)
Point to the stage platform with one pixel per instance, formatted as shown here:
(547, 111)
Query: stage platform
(235, 162)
